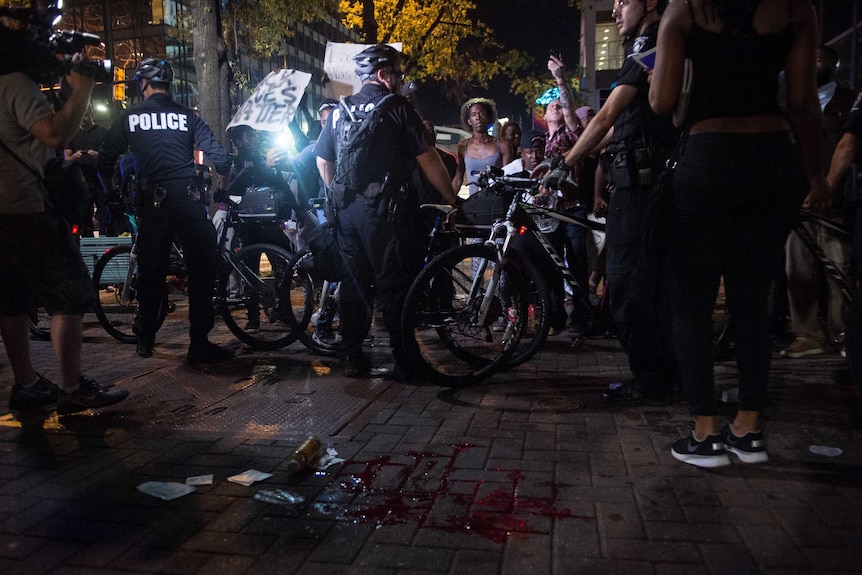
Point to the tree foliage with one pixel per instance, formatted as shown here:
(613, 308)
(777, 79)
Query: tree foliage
(258, 28)
(222, 31)
(442, 37)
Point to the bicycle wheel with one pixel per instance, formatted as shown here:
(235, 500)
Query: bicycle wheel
(40, 324)
(446, 332)
(116, 296)
(314, 318)
(256, 312)
(536, 292)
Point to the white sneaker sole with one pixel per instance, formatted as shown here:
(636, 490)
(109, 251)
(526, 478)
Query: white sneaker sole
(702, 461)
(747, 457)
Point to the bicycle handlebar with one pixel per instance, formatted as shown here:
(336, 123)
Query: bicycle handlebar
(495, 180)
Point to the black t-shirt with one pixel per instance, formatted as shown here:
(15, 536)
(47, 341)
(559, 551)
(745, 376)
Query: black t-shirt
(396, 143)
(638, 118)
(89, 139)
(85, 140)
(163, 136)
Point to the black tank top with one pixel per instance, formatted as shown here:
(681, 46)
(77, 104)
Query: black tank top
(735, 71)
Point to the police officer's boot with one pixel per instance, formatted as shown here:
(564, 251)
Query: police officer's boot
(145, 346)
(145, 341)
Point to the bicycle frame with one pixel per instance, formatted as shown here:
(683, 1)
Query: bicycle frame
(835, 273)
(519, 221)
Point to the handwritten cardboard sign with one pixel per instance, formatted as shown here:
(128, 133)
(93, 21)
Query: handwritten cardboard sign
(339, 67)
(272, 105)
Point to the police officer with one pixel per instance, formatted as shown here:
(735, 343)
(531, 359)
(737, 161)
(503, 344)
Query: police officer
(163, 136)
(640, 144)
(844, 174)
(377, 217)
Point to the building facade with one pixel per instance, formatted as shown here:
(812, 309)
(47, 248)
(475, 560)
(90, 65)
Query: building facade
(135, 29)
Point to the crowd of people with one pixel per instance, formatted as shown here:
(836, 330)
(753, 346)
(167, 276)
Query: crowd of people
(735, 168)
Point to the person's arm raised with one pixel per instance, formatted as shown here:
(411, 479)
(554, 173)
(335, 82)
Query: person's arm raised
(56, 130)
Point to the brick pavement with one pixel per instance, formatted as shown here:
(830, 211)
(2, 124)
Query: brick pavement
(527, 473)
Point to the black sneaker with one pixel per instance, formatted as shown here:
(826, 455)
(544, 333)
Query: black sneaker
(707, 453)
(629, 394)
(750, 448)
(90, 395)
(41, 395)
(208, 352)
(145, 342)
(252, 326)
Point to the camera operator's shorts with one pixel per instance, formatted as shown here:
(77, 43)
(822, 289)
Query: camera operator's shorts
(41, 265)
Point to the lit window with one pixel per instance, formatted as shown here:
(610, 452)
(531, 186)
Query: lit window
(609, 49)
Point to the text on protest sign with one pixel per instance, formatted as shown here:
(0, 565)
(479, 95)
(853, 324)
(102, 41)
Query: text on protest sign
(272, 105)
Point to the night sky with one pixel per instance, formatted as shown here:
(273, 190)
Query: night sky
(536, 26)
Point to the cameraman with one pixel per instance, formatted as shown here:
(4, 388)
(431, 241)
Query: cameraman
(30, 132)
(163, 136)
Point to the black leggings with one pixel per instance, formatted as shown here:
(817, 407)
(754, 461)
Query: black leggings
(736, 198)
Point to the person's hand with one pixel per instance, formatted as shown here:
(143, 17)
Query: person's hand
(89, 157)
(274, 157)
(819, 197)
(76, 156)
(600, 209)
(542, 168)
(557, 68)
(82, 74)
(554, 180)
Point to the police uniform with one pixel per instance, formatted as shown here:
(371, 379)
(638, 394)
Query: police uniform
(163, 136)
(852, 193)
(378, 228)
(641, 143)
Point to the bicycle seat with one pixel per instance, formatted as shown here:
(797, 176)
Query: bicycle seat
(445, 208)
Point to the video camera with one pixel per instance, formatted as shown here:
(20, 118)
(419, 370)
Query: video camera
(43, 53)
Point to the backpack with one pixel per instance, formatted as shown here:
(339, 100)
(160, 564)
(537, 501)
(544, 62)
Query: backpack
(353, 139)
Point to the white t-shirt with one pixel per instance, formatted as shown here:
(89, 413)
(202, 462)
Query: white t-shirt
(546, 225)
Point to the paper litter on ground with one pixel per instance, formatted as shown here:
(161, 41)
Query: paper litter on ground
(246, 478)
(200, 479)
(166, 490)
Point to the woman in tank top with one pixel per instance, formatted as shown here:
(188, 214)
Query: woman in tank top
(743, 172)
(481, 149)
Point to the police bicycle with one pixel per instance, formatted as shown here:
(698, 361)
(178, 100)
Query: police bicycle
(315, 318)
(250, 288)
(449, 314)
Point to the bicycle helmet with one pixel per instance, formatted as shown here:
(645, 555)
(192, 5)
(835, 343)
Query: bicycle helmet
(154, 70)
(376, 57)
(327, 104)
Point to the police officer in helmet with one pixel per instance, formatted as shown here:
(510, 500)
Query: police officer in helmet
(376, 204)
(163, 136)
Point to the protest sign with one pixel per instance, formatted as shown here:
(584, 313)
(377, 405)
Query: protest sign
(272, 105)
(340, 69)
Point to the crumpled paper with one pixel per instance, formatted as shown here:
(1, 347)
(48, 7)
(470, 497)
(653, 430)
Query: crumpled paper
(329, 458)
